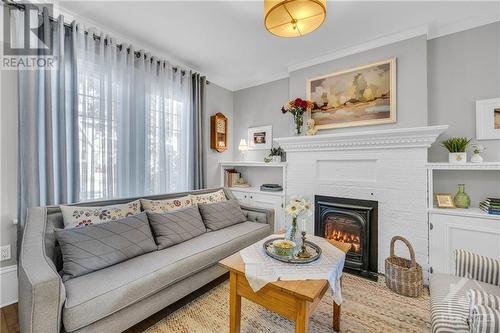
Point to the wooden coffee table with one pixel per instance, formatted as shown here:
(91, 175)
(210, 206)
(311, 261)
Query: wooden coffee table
(295, 300)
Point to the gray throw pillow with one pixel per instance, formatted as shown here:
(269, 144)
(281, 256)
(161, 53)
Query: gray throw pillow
(98, 246)
(221, 214)
(170, 228)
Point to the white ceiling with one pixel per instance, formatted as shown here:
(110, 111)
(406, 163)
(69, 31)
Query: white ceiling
(227, 41)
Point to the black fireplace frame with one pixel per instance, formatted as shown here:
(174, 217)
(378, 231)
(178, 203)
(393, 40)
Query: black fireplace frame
(367, 212)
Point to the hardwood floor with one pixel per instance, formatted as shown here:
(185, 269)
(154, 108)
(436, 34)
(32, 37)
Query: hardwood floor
(8, 319)
(9, 324)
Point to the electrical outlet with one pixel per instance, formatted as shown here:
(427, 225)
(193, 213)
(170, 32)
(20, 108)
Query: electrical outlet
(5, 252)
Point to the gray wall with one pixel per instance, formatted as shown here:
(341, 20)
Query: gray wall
(411, 89)
(463, 67)
(217, 99)
(8, 161)
(257, 106)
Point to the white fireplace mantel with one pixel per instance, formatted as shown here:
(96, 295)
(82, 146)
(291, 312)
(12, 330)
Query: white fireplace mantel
(421, 137)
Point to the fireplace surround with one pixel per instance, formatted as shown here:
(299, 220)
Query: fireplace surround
(351, 221)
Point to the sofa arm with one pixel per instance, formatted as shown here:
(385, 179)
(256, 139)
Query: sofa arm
(477, 267)
(261, 215)
(41, 291)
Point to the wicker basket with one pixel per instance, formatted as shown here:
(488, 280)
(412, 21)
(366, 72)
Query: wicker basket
(403, 276)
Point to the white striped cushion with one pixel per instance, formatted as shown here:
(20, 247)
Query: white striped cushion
(474, 266)
(484, 319)
(480, 297)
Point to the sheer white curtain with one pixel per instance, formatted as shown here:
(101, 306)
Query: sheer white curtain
(134, 121)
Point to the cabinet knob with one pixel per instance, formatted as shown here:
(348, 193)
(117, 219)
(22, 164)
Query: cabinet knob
(431, 226)
(245, 196)
(251, 197)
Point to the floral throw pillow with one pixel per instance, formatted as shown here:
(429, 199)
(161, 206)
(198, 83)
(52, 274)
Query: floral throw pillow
(78, 216)
(166, 205)
(212, 197)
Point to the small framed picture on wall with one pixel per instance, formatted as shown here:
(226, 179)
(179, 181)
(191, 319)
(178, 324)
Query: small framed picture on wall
(260, 137)
(488, 119)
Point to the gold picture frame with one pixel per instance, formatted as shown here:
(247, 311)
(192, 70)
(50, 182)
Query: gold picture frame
(361, 96)
(444, 200)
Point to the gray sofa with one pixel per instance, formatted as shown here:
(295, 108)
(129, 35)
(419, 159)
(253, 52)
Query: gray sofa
(117, 297)
(449, 304)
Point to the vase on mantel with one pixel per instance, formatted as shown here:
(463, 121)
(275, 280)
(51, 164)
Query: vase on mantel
(461, 199)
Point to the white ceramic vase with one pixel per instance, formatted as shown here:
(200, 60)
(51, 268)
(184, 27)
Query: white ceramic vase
(276, 159)
(476, 158)
(457, 158)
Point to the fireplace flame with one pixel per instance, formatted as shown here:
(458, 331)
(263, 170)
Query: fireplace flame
(345, 237)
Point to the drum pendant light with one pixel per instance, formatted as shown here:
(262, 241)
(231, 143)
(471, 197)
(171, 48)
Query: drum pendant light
(293, 18)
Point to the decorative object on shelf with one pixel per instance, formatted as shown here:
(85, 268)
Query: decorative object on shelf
(303, 253)
(285, 18)
(457, 149)
(461, 199)
(311, 248)
(490, 206)
(271, 188)
(444, 200)
(477, 149)
(275, 155)
(218, 132)
(297, 108)
(359, 96)
(488, 119)
(310, 127)
(295, 208)
(243, 148)
(403, 276)
(260, 137)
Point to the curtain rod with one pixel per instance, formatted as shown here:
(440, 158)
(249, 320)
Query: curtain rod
(94, 36)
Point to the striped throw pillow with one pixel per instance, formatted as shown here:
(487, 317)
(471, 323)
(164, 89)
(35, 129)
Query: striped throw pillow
(484, 319)
(480, 297)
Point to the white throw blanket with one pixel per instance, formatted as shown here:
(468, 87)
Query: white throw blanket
(260, 269)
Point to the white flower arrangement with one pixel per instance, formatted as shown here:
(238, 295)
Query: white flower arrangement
(298, 206)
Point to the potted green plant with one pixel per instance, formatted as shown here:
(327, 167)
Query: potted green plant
(275, 154)
(457, 149)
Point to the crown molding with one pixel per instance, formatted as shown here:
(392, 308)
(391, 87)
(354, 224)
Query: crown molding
(447, 28)
(368, 45)
(431, 31)
(415, 137)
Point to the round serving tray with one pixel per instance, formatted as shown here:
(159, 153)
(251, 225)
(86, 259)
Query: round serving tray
(312, 248)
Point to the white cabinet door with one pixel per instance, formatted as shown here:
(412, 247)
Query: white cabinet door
(243, 197)
(273, 202)
(449, 232)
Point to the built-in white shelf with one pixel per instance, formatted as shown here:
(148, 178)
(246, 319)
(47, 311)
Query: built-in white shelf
(465, 166)
(252, 164)
(469, 212)
(256, 190)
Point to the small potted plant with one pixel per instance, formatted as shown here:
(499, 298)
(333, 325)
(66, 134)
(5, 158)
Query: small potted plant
(457, 148)
(477, 149)
(275, 154)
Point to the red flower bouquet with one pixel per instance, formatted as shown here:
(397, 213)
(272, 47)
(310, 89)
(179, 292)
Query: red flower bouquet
(297, 108)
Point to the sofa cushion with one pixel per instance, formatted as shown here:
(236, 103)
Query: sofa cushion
(78, 216)
(221, 214)
(119, 286)
(484, 319)
(94, 247)
(166, 205)
(170, 228)
(216, 196)
(449, 304)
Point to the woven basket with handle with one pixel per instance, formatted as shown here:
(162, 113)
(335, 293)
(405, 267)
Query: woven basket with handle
(403, 276)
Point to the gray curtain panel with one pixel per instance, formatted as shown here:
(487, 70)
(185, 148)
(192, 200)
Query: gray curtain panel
(47, 168)
(198, 109)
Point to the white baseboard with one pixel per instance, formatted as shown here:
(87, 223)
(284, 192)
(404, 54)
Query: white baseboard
(8, 284)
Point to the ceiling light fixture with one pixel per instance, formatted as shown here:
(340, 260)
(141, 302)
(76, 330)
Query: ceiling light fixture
(293, 18)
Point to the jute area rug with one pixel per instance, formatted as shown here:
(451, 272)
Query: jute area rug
(368, 307)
